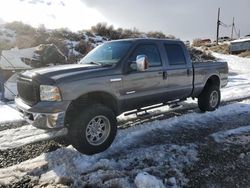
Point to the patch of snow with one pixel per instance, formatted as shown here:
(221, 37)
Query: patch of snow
(118, 182)
(7, 35)
(246, 39)
(98, 39)
(239, 77)
(10, 174)
(102, 169)
(236, 64)
(70, 44)
(8, 113)
(223, 136)
(12, 59)
(12, 138)
(238, 87)
(171, 181)
(145, 180)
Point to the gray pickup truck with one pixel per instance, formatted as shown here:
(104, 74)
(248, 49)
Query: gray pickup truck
(115, 77)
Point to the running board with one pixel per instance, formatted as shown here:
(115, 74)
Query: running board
(171, 104)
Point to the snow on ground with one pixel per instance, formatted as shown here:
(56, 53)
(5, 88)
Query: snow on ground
(12, 138)
(145, 180)
(239, 77)
(8, 113)
(238, 87)
(239, 135)
(128, 155)
(7, 35)
(236, 64)
(71, 45)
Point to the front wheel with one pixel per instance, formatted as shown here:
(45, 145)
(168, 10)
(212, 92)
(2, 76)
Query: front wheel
(93, 130)
(209, 100)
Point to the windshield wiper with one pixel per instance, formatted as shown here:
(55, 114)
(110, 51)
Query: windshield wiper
(101, 64)
(94, 63)
(107, 64)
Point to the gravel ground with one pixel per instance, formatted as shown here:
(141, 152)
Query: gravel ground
(14, 156)
(221, 166)
(12, 125)
(25, 182)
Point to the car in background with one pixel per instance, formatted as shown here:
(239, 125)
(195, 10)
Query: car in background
(224, 39)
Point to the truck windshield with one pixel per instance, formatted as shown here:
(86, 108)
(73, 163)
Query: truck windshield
(107, 54)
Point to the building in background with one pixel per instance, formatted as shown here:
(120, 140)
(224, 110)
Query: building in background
(239, 45)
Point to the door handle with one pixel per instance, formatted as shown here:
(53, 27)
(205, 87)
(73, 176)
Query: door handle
(164, 74)
(188, 72)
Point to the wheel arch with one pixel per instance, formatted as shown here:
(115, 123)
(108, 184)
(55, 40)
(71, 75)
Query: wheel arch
(86, 99)
(213, 80)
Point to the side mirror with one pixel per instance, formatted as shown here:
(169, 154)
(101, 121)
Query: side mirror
(142, 63)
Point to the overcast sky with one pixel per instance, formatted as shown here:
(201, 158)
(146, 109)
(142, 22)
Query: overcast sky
(186, 19)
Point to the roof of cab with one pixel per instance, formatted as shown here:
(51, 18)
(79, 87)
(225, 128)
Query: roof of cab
(146, 39)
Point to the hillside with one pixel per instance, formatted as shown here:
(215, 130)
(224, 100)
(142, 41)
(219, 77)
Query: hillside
(74, 45)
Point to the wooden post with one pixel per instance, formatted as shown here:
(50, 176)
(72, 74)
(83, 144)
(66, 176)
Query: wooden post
(232, 33)
(218, 26)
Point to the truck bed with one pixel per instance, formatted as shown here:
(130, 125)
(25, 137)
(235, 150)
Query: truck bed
(203, 70)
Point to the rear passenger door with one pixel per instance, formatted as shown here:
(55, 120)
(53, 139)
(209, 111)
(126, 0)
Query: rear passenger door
(179, 80)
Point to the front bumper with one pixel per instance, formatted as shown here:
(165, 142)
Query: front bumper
(51, 120)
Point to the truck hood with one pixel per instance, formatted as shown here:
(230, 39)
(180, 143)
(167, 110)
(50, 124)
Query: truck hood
(63, 72)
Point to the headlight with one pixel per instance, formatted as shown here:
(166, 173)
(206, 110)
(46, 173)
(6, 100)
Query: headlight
(49, 93)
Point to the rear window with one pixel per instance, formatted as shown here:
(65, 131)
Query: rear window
(175, 54)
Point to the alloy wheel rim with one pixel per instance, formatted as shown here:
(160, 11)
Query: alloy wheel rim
(98, 130)
(214, 99)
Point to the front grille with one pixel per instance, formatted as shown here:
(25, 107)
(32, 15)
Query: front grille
(27, 91)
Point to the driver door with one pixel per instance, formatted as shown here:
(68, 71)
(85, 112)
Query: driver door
(144, 88)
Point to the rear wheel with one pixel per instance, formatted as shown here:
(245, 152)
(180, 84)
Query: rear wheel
(209, 100)
(93, 130)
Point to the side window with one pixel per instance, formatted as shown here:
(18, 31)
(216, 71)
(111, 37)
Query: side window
(150, 51)
(175, 54)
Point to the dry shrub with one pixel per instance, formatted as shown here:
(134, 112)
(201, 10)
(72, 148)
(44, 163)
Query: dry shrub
(245, 54)
(197, 43)
(24, 41)
(156, 34)
(200, 56)
(221, 48)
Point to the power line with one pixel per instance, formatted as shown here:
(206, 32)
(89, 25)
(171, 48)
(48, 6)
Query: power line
(224, 25)
(232, 26)
(7, 61)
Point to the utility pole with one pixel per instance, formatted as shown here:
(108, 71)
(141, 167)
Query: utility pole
(218, 27)
(232, 33)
